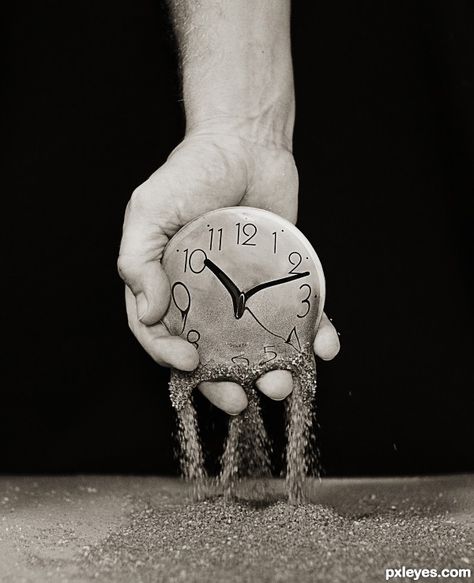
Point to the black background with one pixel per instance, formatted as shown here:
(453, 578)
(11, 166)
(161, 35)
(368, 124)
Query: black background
(384, 146)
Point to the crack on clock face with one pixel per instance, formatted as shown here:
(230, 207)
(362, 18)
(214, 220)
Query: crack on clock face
(288, 340)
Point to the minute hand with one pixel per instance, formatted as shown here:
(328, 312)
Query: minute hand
(261, 286)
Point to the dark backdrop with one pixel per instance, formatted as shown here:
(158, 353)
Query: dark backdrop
(384, 145)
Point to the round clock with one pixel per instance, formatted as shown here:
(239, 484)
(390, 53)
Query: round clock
(247, 288)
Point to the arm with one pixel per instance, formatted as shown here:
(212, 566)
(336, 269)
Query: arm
(237, 69)
(239, 105)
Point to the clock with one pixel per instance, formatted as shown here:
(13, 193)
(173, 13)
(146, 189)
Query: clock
(247, 289)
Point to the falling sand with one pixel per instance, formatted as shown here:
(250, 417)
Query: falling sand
(247, 449)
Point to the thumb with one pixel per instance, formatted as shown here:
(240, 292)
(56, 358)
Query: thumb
(140, 267)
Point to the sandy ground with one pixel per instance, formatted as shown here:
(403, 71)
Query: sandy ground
(132, 529)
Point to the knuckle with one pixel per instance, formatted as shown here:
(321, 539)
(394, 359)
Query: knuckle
(285, 171)
(155, 203)
(125, 266)
(140, 199)
(147, 200)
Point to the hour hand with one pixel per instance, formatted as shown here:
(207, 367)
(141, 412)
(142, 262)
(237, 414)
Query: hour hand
(238, 299)
(274, 282)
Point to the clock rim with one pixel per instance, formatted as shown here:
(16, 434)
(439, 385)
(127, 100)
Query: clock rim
(282, 221)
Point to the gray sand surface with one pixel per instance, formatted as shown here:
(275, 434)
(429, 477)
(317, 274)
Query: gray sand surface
(133, 529)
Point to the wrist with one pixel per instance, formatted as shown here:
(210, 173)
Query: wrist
(274, 132)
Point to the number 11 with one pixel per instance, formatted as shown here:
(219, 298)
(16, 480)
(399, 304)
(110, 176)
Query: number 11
(211, 239)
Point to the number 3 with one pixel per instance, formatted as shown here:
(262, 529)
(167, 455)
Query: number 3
(305, 301)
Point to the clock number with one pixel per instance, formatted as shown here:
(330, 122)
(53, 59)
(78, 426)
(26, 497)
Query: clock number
(188, 260)
(293, 339)
(266, 351)
(241, 358)
(249, 230)
(305, 301)
(193, 338)
(211, 239)
(185, 304)
(274, 241)
(295, 259)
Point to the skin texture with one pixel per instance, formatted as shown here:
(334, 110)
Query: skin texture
(239, 104)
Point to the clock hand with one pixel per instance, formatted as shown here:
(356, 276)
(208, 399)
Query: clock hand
(261, 286)
(238, 298)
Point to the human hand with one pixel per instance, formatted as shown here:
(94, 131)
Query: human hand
(212, 168)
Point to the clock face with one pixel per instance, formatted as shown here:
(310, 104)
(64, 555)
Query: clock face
(246, 287)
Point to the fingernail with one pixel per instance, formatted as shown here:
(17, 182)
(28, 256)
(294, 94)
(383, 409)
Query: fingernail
(142, 305)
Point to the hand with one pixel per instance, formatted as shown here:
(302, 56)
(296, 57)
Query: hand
(208, 170)
(238, 96)
(248, 294)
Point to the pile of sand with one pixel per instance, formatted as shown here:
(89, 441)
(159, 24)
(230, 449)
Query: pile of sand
(271, 541)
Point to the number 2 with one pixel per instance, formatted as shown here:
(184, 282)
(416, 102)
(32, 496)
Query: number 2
(295, 262)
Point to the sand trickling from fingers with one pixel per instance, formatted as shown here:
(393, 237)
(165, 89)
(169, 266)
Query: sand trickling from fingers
(247, 449)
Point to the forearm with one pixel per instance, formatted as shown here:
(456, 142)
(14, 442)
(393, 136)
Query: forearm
(236, 67)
